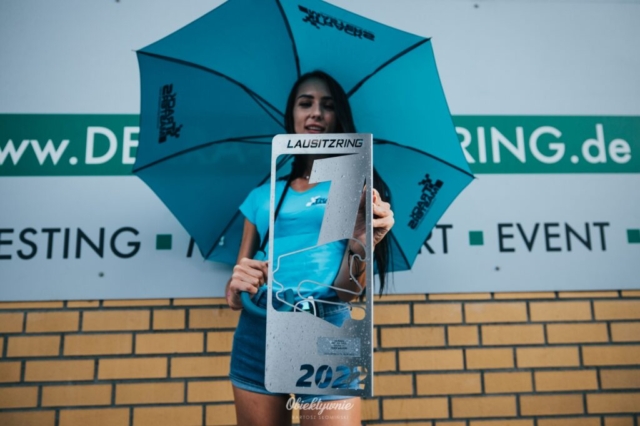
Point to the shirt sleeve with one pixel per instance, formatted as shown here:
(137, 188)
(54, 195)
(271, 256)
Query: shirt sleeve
(248, 206)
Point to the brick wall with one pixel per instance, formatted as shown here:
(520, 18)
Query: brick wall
(534, 359)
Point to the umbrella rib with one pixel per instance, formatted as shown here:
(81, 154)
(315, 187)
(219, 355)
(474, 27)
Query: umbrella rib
(242, 139)
(392, 59)
(384, 142)
(235, 215)
(253, 96)
(250, 92)
(293, 42)
(404, 256)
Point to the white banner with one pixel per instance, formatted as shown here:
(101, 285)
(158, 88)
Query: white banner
(555, 205)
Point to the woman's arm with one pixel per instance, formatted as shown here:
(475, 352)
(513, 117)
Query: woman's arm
(248, 274)
(351, 264)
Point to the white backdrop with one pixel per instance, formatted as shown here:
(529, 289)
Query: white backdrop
(496, 58)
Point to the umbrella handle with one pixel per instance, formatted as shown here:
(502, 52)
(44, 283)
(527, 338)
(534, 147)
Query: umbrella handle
(256, 310)
(251, 307)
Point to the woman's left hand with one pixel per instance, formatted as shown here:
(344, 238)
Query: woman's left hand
(382, 220)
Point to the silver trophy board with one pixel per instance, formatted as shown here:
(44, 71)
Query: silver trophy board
(306, 354)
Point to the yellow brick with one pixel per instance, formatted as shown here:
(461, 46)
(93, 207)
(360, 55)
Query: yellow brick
(501, 423)
(208, 366)
(489, 358)
(399, 298)
(444, 359)
(1, 345)
(496, 335)
(149, 393)
(402, 337)
(11, 322)
(495, 312)
(625, 332)
(167, 416)
(200, 302)
(213, 318)
(617, 310)
(391, 314)
(169, 343)
(508, 382)
(444, 423)
(437, 313)
(547, 381)
(9, 372)
(370, 409)
(55, 371)
(395, 384)
(578, 421)
(460, 296)
(133, 303)
(83, 304)
(18, 397)
(31, 305)
(48, 322)
(95, 417)
(165, 319)
(462, 335)
(630, 293)
(587, 294)
(560, 311)
(620, 379)
(417, 424)
(534, 405)
(618, 421)
(613, 403)
(132, 368)
(384, 361)
(116, 320)
(97, 344)
(483, 406)
(415, 408)
(210, 391)
(220, 341)
(448, 384)
(547, 357)
(577, 333)
(223, 415)
(33, 346)
(68, 396)
(28, 418)
(611, 355)
(525, 296)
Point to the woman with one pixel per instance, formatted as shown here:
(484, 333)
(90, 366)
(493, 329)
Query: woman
(316, 104)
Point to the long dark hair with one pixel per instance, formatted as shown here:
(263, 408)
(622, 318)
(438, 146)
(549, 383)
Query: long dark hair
(345, 124)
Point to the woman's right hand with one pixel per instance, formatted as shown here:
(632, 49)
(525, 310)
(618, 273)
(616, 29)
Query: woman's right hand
(248, 275)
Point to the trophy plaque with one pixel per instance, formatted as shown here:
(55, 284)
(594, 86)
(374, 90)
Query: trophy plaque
(306, 354)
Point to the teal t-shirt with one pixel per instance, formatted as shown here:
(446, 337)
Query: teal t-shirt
(299, 263)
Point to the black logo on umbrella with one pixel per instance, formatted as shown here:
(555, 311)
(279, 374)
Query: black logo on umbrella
(429, 192)
(318, 20)
(166, 108)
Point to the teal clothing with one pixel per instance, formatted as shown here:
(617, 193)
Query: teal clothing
(297, 258)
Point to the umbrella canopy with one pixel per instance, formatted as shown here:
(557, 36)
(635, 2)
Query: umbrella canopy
(214, 95)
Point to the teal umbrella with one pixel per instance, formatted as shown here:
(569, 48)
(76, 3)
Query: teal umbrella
(214, 93)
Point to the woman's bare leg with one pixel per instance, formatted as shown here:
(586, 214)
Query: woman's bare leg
(259, 409)
(347, 414)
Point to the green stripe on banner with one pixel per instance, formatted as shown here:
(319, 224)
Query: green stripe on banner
(105, 145)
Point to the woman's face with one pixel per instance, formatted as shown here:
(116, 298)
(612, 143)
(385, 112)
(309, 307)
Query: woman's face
(313, 110)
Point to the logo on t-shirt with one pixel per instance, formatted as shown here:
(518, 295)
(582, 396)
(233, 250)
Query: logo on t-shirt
(316, 200)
